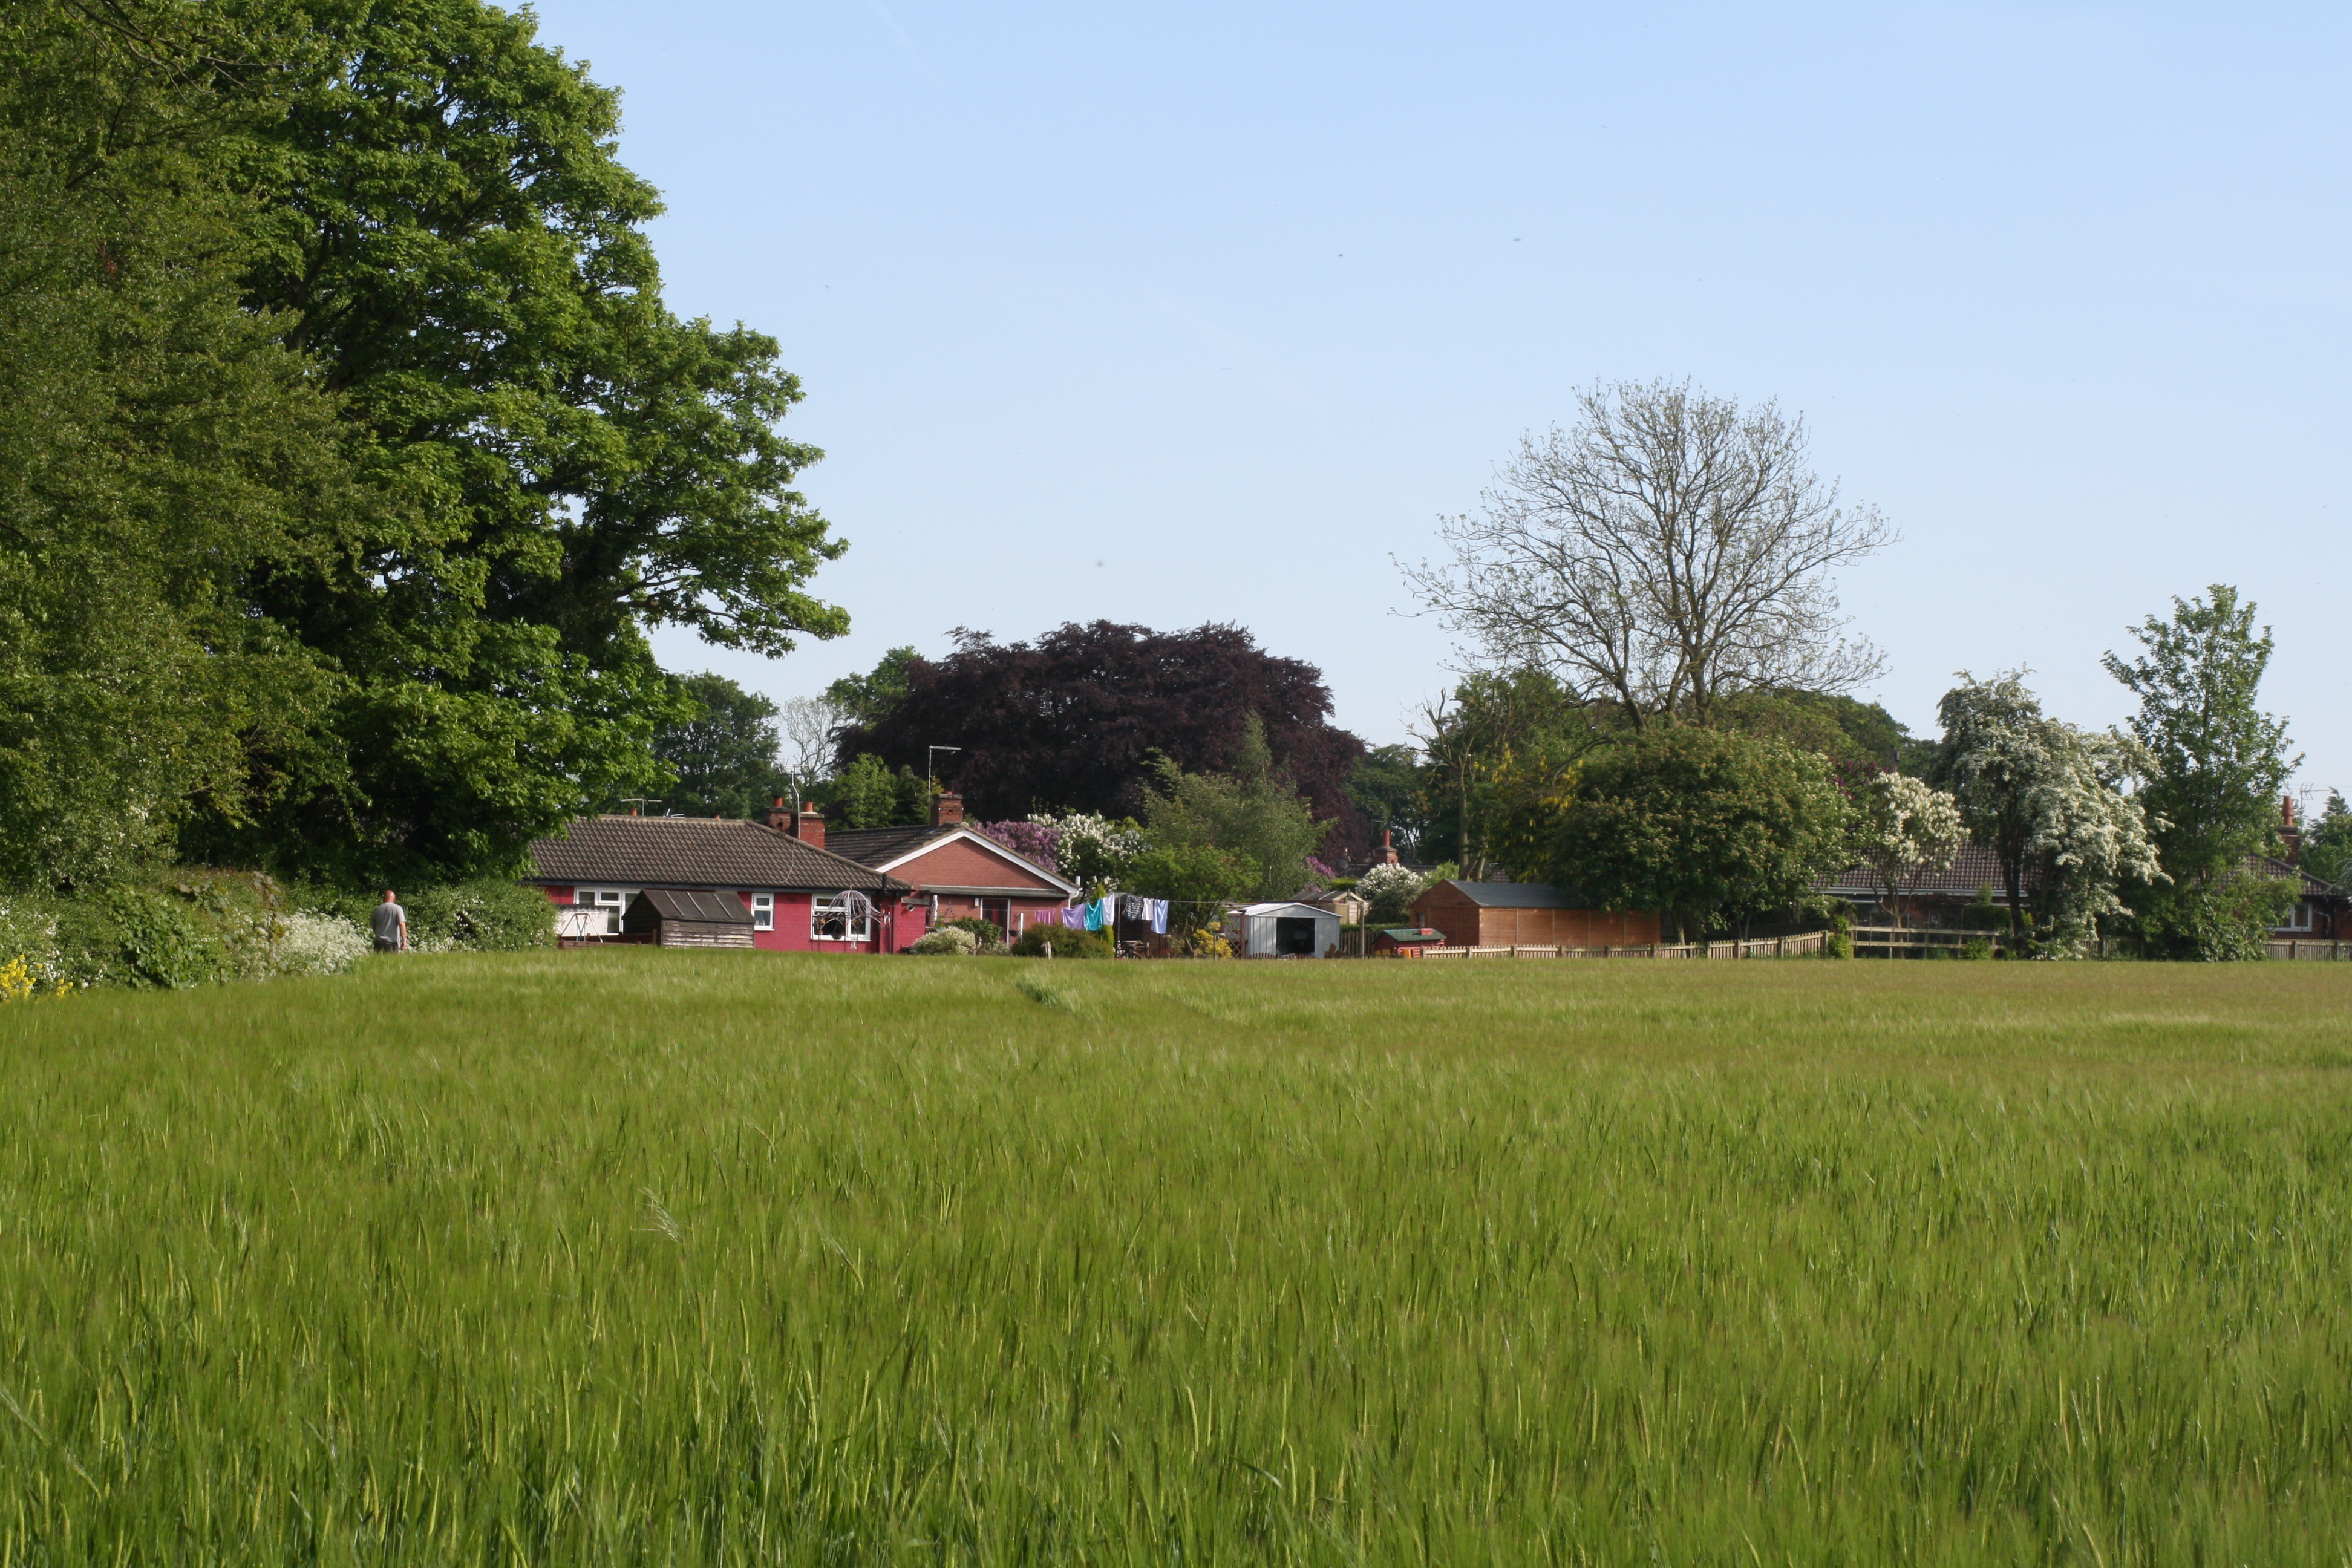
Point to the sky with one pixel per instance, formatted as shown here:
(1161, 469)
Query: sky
(1176, 314)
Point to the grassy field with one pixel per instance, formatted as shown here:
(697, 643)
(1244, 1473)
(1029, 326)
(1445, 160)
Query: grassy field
(658, 1258)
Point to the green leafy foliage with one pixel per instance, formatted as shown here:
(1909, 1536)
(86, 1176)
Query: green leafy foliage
(1064, 942)
(1497, 745)
(1707, 826)
(2327, 843)
(1197, 878)
(2219, 764)
(347, 450)
(1386, 786)
(724, 753)
(489, 914)
(867, 699)
(1254, 814)
(867, 793)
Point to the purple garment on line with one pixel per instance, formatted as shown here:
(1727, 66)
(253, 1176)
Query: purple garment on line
(1074, 916)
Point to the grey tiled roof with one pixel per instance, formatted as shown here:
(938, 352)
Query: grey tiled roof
(1514, 895)
(872, 845)
(1977, 867)
(695, 852)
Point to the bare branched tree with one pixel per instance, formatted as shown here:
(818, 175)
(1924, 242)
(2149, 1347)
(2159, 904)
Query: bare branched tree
(808, 725)
(1668, 552)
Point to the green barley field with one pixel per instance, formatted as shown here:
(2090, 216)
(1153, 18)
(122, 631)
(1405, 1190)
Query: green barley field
(641, 1256)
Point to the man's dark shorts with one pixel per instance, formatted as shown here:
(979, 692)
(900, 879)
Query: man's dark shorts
(384, 946)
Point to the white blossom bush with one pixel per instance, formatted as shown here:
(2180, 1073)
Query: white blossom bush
(1905, 831)
(2043, 793)
(1093, 849)
(1389, 891)
(320, 944)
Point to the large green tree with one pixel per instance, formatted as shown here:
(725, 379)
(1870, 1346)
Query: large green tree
(368, 279)
(1254, 813)
(457, 243)
(1709, 827)
(723, 753)
(2220, 763)
(161, 450)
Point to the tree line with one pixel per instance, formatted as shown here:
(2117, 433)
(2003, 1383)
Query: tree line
(1661, 713)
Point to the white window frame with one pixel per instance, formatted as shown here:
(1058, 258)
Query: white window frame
(613, 901)
(763, 912)
(2300, 917)
(835, 905)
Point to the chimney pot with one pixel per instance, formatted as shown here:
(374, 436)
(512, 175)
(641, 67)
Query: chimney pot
(809, 827)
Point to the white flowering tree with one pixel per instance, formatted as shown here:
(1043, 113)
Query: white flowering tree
(1905, 831)
(1389, 891)
(1093, 851)
(2041, 793)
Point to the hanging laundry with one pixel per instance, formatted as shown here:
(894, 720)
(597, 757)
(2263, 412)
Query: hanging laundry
(1074, 916)
(1097, 914)
(1135, 907)
(1159, 917)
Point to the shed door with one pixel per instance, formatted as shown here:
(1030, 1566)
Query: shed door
(1294, 934)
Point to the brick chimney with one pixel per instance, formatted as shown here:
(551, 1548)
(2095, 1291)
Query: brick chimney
(2289, 831)
(947, 809)
(780, 819)
(1388, 849)
(809, 829)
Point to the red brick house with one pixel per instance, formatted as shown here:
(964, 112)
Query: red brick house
(801, 897)
(1526, 914)
(955, 872)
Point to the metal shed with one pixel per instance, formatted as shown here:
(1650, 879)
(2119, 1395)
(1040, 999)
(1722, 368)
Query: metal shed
(1285, 930)
(682, 917)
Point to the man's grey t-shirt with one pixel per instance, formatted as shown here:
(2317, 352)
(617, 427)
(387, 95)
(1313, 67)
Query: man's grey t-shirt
(387, 918)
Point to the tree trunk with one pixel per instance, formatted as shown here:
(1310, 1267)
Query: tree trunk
(2012, 860)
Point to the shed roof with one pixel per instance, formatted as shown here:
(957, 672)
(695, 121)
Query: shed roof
(695, 852)
(694, 904)
(1514, 895)
(1411, 933)
(1277, 909)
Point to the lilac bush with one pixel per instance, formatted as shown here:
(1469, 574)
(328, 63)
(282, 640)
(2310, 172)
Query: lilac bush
(1038, 842)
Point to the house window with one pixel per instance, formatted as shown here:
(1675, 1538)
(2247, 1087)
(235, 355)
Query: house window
(763, 912)
(609, 901)
(2300, 920)
(840, 917)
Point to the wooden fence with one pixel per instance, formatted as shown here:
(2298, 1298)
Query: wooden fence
(1763, 947)
(2300, 948)
(1920, 942)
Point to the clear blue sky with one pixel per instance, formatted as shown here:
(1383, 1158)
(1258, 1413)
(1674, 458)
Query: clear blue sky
(1186, 313)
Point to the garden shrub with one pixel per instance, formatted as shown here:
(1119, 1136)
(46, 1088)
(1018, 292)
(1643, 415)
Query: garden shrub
(1066, 942)
(487, 915)
(946, 938)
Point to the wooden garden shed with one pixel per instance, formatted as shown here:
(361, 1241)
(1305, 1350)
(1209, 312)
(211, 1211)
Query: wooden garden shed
(684, 916)
(1526, 914)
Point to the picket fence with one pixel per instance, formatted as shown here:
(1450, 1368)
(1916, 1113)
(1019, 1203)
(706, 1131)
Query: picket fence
(1761, 947)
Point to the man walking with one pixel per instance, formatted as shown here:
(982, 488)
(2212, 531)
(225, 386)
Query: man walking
(391, 923)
